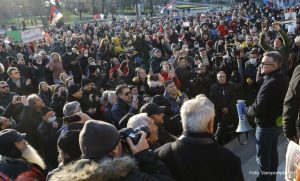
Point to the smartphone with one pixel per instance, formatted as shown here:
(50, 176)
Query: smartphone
(134, 98)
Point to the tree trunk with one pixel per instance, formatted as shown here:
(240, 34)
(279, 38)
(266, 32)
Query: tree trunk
(103, 2)
(151, 8)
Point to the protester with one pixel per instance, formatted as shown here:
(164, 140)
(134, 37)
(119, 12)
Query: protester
(19, 160)
(195, 155)
(165, 60)
(267, 111)
(101, 160)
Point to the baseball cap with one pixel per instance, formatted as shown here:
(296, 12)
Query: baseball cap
(152, 108)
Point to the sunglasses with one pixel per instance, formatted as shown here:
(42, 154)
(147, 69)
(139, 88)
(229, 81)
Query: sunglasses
(263, 63)
(126, 94)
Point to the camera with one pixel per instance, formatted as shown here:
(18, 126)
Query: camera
(134, 134)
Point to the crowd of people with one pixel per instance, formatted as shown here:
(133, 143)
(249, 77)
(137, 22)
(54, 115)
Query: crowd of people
(164, 88)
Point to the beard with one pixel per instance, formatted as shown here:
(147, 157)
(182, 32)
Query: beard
(32, 156)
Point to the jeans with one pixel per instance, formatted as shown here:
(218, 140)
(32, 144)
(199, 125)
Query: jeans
(266, 152)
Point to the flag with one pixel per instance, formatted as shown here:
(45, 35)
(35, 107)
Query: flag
(98, 17)
(168, 6)
(55, 15)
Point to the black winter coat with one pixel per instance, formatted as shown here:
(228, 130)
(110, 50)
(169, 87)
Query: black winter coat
(145, 167)
(57, 105)
(23, 89)
(46, 97)
(121, 109)
(200, 158)
(268, 105)
(291, 105)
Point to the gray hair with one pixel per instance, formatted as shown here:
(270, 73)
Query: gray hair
(111, 95)
(277, 58)
(196, 114)
(32, 98)
(36, 56)
(138, 120)
(104, 97)
(71, 108)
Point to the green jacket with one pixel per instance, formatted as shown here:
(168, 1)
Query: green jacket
(283, 50)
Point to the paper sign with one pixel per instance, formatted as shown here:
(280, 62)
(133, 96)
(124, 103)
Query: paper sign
(31, 35)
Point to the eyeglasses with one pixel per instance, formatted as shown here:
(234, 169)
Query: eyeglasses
(3, 87)
(263, 63)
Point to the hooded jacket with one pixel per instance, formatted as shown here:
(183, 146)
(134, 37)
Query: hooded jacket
(111, 169)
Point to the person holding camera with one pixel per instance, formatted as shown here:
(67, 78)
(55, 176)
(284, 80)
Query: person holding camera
(103, 157)
(140, 120)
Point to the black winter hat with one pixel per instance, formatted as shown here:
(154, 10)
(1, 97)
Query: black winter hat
(84, 82)
(72, 89)
(97, 138)
(152, 108)
(69, 143)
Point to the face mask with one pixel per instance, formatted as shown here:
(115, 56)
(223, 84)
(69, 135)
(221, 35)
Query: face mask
(252, 61)
(86, 55)
(69, 53)
(196, 45)
(134, 36)
(51, 119)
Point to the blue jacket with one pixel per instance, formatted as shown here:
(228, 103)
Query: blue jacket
(176, 103)
(121, 109)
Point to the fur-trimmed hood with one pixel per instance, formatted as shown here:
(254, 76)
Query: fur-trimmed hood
(153, 83)
(104, 170)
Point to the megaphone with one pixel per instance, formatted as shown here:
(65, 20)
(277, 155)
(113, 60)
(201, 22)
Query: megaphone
(244, 126)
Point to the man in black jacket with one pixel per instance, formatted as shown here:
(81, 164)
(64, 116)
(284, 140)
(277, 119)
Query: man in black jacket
(5, 95)
(291, 107)
(17, 83)
(71, 65)
(195, 155)
(125, 104)
(267, 110)
(103, 157)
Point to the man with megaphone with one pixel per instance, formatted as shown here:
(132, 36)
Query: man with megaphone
(267, 110)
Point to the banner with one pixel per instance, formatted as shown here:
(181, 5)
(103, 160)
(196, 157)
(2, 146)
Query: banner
(31, 35)
(14, 35)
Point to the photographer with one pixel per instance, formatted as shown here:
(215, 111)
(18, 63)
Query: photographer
(201, 81)
(101, 155)
(142, 119)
